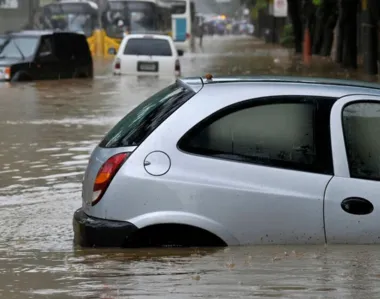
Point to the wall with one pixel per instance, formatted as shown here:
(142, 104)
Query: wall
(15, 19)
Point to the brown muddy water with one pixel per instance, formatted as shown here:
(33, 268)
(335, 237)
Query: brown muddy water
(47, 132)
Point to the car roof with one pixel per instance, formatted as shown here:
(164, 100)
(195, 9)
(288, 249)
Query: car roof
(149, 35)
(340, 84)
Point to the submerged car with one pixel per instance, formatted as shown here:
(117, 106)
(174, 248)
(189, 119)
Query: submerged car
(44, 55)
(236, 161)
(147, 54)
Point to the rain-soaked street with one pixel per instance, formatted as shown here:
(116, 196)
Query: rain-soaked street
(48, 130)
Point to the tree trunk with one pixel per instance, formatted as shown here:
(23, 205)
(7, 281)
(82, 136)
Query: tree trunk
(312, 18)
(340, 38)
(331, 9)
(370, 37)
(350, 50)
(318, 33)
(294, 12)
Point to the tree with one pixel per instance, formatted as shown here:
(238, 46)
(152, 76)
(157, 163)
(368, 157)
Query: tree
(295, 12)
(326, 19)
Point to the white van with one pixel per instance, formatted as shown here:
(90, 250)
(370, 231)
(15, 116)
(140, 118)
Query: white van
(147, 54)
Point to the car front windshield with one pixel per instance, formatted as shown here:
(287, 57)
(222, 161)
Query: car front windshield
(18, 47)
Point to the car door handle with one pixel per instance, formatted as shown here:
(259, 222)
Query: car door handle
(357, 206)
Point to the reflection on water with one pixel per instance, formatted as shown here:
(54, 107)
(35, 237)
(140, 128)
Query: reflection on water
(243, 272)
(48, 130)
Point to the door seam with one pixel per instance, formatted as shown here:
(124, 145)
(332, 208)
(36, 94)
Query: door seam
(323, 207)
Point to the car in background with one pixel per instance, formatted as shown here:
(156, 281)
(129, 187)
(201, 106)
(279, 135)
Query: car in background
(44, 55)
(238, 161)
(147, 54)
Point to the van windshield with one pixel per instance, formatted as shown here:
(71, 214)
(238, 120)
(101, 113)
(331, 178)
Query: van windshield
(145, 118)
(148, 46)
(179, 7)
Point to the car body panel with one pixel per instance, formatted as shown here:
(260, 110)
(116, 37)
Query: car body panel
(178, 217)
(247, 203)
(342, 227)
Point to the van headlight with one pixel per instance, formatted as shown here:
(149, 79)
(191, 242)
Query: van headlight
(5, 73)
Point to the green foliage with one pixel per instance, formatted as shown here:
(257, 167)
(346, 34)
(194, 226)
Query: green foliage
(317, 2)
(287, 37)
(261, 4)
(254, 13)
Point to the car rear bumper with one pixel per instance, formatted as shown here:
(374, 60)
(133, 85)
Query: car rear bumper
(95, 232)
(182, 45)
(145, 74)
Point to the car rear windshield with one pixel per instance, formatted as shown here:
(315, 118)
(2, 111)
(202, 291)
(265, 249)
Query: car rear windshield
(145, 118)
(148, 46)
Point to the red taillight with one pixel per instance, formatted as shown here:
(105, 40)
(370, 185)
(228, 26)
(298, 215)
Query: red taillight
(117, 65)
(188, 35)
(106, 174)
(177, 67)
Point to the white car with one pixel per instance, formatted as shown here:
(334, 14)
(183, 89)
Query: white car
(147, 54)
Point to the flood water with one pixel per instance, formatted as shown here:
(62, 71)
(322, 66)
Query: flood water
(48, 130)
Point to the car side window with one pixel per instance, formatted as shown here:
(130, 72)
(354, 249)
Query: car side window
(282, 134)
(361, 129)
(46, 47)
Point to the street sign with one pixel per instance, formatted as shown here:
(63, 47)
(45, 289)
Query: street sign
(280, 8)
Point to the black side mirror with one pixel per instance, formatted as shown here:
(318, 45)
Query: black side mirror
(180, 52)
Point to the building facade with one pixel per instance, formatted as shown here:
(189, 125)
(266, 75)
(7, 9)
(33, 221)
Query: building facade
(16, 14)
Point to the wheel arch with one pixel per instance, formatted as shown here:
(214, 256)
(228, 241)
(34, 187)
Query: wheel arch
(183, 218)
(21, 76)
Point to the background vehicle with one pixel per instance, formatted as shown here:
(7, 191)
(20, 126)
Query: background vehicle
(147, 55)
(39, 55)
(72, 15)
(122, 17)
(183, 18)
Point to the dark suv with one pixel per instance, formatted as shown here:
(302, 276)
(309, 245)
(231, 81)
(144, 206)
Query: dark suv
(41, 55)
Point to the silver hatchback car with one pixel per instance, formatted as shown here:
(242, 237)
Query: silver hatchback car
(235, 161)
